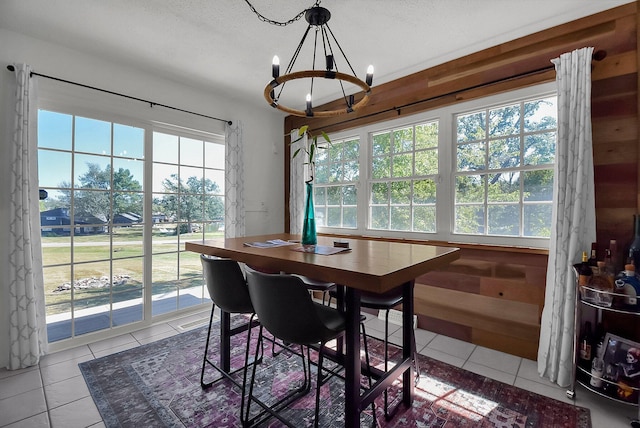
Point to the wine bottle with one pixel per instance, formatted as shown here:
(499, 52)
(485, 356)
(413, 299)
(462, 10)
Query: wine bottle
(634, 250)
(586, 341)
(593, 258)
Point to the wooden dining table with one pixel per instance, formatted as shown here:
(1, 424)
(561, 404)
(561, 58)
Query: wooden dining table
(369, 265)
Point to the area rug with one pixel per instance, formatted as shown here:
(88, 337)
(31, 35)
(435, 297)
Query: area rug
(158, 385)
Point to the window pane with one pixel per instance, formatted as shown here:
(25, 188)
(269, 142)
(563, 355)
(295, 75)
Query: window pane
(504, 153)
(349, 217)
(351, 149)
(504, 187)
(379, 193)
(351, 171)
(91, 210)
(165, 148)
(403, 140)
(427, 162)
(401, 192)
(427, 135)
(165, 178)
(424, 219)
(191, 152)
(400, 218)
(214, 155)
(128, 141)
(540, 149)
(471, 157)
(335, 173)
(537, 220)
(54, 169)
(214, 181)
(191, 179)
(379, 217)
(322, 173)
(128, 174)
(540, 114)
(504, 121)
(334, 195)
(403, 165)
(424, 192)
(54, 130)
(127, 241)
(93, 136)
(469, 219)
(470, 188)
(349, 195)
(319, 195)
(471, 127)
(92, 172)
(538, 185)
(381, 168)
(381, 144)
(334, 217)
(504, 220)
(127, 208)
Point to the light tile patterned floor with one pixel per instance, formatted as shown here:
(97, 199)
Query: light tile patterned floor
(55, 394)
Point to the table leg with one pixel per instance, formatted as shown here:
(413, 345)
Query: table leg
(352, 359)
(407, 342)
(225, 341)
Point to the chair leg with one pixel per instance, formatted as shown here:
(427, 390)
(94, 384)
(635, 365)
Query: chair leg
(206, 351)
(386, 362)
(366, 359)
(318, 385)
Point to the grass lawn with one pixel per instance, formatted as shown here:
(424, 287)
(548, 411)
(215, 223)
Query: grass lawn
(119, 254)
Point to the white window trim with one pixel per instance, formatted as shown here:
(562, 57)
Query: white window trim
(446, 166)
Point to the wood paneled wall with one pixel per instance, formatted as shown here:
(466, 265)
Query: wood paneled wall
(518, 277)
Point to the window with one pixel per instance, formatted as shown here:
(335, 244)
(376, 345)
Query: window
(477, 172)
(123, 196)
(504, 169)
(335, 193)
(403, 170)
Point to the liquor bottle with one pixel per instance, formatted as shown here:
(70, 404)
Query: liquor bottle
(584, 275)
(634, 250)
(615, 257)
(593, 258)
(586, 341)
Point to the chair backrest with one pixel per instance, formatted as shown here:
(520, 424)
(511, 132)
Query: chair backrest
(285, 308)
(226, 284)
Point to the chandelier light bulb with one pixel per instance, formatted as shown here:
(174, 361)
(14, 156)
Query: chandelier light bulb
(275, 67)
(369, 78)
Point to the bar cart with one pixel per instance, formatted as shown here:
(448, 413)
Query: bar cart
(617, 381)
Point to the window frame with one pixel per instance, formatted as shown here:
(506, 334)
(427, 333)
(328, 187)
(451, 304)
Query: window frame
(445, 179)
(81, 102)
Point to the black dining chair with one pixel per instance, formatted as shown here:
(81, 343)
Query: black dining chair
(286, 310)
(229, 292)
(385, 302)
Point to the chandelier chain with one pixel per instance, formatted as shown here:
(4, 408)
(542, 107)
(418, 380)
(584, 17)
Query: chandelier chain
(263, 18)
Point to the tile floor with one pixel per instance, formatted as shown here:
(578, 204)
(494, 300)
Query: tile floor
(54, 394)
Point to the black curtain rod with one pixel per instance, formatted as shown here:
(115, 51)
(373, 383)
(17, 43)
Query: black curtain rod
(151, 103)
(597, 56)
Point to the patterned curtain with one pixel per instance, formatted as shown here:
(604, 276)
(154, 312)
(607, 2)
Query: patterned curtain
(296, 185)
(27, 327)
(573, 217)
(234, 216)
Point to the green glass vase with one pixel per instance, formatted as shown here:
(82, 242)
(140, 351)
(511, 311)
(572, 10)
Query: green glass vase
(309, 237)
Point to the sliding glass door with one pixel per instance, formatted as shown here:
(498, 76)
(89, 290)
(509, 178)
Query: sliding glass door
(114, 224)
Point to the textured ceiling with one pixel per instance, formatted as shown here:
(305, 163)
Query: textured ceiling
(222, 46)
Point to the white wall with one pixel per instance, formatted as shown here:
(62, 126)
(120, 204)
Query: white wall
(262, 128)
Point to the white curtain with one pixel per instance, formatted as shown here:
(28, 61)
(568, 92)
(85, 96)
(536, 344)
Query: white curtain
(296, 185)
(234, 216)
(573, 217)
(27, 325)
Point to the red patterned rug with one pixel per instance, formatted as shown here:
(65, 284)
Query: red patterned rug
(158, 385)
